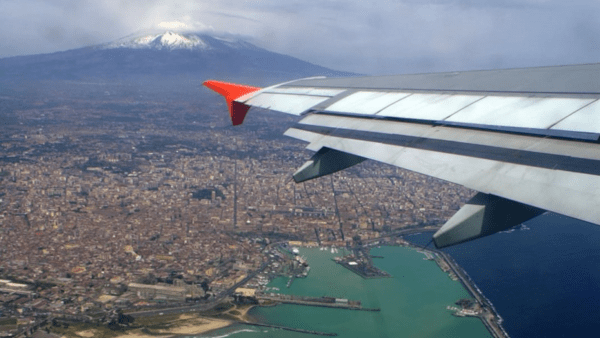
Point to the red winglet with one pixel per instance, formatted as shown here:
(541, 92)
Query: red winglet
(232, 91)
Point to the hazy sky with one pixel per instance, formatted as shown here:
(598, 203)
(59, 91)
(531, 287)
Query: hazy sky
(375, 37)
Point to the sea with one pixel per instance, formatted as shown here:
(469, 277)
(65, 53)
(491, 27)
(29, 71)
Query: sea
(543, 278)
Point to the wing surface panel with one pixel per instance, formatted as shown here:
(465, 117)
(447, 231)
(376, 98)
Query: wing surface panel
(572, 80)
(432, 107)
(288, 103)
(544, 111)
(587, 119)
(366, 103)
(523, 112)
(305, 91)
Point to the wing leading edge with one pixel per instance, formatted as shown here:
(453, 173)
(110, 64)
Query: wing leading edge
(526, 139)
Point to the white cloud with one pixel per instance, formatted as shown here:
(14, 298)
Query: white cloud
(358, 35)
(188, 25)
(173, 25)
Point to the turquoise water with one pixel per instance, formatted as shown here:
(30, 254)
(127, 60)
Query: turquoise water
(413, 302)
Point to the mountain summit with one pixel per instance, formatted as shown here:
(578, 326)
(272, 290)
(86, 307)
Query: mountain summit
(168, 40)
(159, 56)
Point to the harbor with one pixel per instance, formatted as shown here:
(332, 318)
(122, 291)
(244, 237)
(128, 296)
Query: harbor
(360, 262)
(361, 268)
(423, 313)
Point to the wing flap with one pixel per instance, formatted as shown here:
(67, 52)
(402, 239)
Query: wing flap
(530, 170)
(540, 187)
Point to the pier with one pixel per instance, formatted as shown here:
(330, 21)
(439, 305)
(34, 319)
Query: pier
(489, 317)
(330, 302)
(364, 269)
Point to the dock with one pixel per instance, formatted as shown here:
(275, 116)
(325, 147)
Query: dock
(330, 302)
(363, 269)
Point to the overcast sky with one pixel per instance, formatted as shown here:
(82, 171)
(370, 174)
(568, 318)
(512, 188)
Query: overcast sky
(372, 37)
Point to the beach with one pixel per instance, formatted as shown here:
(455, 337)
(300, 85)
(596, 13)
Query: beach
(184, 325)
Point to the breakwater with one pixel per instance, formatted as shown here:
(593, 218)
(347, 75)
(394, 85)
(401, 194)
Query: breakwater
(364, 269)
(489, 317)
(330, 302)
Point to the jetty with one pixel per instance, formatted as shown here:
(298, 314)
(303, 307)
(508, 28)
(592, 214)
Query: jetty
(365, 269)
(488, 315)
(330, 302)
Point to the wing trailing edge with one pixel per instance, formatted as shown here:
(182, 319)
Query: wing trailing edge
(231, 92)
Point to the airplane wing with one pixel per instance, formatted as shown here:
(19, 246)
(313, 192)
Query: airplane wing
(525, 139)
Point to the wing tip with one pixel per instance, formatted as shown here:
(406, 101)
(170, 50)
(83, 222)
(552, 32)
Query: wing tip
(231, 92)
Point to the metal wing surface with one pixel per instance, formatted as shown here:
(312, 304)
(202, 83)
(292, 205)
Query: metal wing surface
(526, 139)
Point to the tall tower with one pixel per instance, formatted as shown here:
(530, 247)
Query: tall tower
(235, 194)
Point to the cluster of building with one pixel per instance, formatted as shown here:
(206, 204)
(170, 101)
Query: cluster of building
(94, 207)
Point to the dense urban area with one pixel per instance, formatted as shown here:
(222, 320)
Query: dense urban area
(111, 199)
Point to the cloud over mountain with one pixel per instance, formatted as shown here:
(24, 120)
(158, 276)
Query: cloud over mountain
(158, 56)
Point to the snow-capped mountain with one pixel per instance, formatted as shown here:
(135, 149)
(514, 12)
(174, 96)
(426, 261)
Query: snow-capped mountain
(167, 40)
(157, 56)
(170, 40)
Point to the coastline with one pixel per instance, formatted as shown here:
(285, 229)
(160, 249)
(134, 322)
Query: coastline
(490, 318)
(184, 325)
(192, 324)
(493, 322)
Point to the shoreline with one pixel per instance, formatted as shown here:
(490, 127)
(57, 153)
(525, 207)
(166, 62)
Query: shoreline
(192, 325)
(491, 318)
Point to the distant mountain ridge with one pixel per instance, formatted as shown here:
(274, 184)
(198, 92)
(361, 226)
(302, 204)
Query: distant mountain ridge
(169, 40)
(163, 55)
(172, 40)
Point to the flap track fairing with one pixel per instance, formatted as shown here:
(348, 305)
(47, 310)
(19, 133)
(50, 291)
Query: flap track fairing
(326, 161)
(483, 215)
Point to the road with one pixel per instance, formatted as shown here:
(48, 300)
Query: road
(204, 306)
